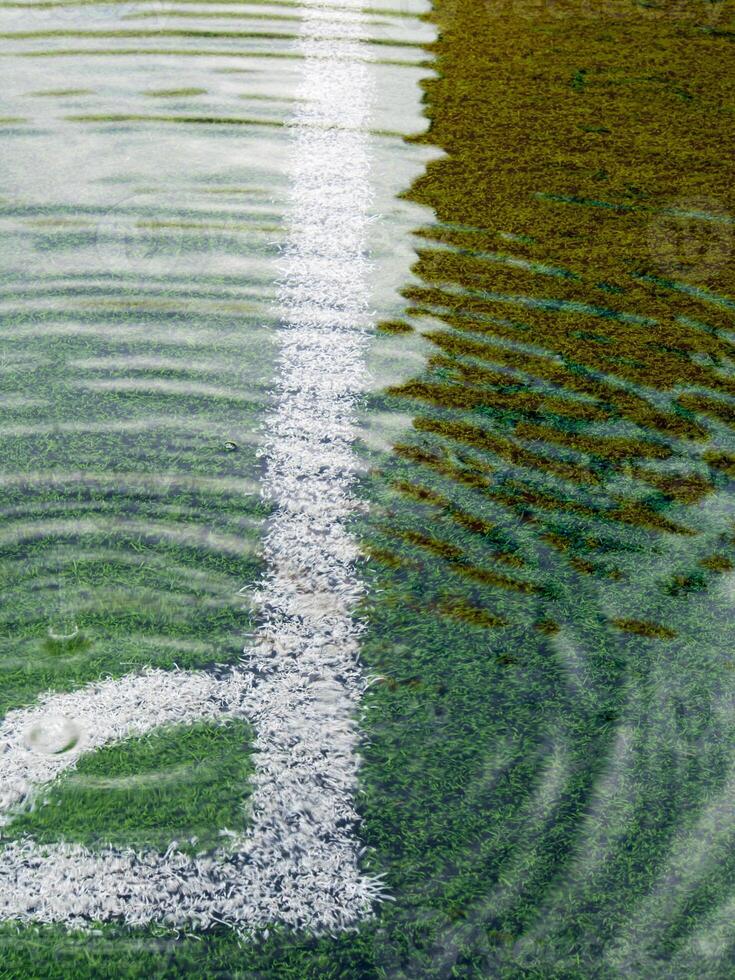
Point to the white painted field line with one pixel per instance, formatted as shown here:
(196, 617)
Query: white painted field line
(300, 683)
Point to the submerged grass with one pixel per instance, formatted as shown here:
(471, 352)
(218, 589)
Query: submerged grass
(557, 414)
(182, 784)
(549, 614)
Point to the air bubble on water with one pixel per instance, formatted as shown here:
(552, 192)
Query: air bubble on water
(63, 632)
(53, 735)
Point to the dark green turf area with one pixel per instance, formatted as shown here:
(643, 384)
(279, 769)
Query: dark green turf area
(180, 784)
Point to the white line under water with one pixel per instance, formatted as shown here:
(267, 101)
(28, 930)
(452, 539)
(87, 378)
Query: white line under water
(300, 683)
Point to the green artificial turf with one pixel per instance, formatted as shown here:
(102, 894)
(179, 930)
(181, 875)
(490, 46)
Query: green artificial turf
(185, 784)
(548, 744)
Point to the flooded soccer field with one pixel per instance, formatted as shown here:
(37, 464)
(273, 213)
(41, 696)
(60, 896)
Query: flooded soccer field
(366, 459)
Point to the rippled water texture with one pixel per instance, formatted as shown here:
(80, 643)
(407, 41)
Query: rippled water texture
(560, 524)
(536, 296)
(200, 229)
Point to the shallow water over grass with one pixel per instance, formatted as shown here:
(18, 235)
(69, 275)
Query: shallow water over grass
(144, 209)
(553, 544)
(548, 454)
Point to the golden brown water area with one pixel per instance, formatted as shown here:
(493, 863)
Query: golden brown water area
(575, 283)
